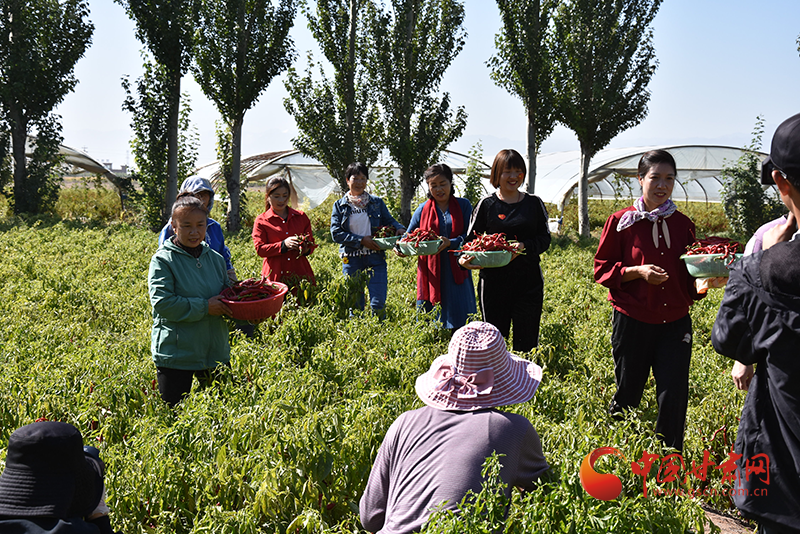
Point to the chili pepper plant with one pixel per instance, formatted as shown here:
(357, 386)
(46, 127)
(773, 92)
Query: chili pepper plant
(285, 440)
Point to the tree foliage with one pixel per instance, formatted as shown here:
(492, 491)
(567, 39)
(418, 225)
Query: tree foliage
(165, 27)
(523, 66)
(413, 44)
(43, 179)
(43, 40)
(150, 122)
(745, 202)
(239, 47)
(6, 167)
(338, 118)
(473, 185)
(604, 61)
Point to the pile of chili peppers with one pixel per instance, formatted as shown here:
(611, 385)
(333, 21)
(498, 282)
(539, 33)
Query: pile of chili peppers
(251, 289)
(384, 231)
(716, 245)
(307, 244)
(419, 235)
(488, 243)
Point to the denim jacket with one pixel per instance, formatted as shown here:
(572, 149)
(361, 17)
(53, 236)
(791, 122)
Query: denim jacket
(349, 242)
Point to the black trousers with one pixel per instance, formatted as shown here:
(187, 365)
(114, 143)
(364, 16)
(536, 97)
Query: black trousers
(504, 302)
(667, 350)
(175, 384)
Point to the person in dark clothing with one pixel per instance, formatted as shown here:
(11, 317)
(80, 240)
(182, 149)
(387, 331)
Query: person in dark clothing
(758, 323)
(513, 293)
(52, 484)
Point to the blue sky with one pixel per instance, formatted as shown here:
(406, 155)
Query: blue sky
(721, 64)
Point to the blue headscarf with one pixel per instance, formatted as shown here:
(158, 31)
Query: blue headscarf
(195, 184)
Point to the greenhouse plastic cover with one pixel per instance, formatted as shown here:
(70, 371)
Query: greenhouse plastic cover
(311, 181)
(698, 179)
(612, 172)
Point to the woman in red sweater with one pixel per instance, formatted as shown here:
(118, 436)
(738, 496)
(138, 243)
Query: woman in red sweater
(278, 235)
(638, 260)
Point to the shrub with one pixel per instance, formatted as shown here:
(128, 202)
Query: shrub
(745, 202)
(708, 217)
(84, 202)
(473, 183)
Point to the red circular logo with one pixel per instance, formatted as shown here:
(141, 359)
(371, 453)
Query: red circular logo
(603, 486)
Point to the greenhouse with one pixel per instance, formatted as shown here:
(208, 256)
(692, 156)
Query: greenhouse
(612, 172)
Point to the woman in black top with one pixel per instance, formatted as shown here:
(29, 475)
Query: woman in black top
(513, 293)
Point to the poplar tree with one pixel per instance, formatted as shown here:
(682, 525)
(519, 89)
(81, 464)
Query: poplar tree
(337, 118)
(523, 66)
(413, 44)
(42, 42)
(165, 28)
(239, 47)
(148, 101)
(604, 61)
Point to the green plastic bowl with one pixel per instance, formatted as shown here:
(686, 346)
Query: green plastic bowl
(425, 248)
(385, 243)
(491, 258)
(708, 265)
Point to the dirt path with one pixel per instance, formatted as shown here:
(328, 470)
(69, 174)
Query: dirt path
(727, 524)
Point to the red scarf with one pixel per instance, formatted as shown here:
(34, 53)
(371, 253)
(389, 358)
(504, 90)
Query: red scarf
(429, 270)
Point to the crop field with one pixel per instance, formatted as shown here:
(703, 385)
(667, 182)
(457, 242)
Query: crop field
(285, 442)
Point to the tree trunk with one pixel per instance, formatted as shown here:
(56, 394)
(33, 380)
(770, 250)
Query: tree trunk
(233, 184)
(583, 194)
(19, 136)
(532, 152)
(234, 217)
(350, 93)
(407, 191)
(407, 186)
(172, 145)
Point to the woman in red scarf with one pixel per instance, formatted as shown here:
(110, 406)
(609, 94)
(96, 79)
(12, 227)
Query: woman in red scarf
(440, 279)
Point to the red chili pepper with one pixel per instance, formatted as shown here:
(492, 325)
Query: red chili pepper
(384, 231)
(716, 245)
(489, 243)
(251, 289)
(419, 235)
(307, 244)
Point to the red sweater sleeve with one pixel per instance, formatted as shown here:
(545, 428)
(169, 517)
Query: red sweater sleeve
(261, 238)
(608, 266)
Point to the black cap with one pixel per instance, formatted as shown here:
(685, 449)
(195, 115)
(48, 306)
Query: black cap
(784, 154)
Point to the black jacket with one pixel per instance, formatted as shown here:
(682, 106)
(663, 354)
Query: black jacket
(759, 323)
(43, 525)
(524, 221)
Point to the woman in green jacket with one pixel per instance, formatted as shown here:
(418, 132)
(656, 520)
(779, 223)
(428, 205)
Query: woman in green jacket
(190, 337)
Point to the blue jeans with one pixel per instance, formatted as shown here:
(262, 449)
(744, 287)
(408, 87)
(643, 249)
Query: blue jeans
(378, 280)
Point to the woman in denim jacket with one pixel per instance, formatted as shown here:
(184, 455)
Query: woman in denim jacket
(354, 217)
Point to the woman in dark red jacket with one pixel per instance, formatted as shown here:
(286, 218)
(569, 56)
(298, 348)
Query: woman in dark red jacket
(283, 237)
(638, 260)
